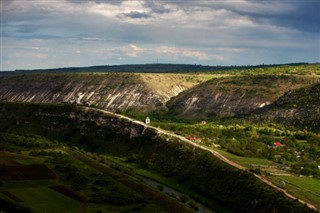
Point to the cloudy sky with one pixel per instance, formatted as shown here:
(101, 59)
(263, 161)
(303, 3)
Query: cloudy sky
(64, 33)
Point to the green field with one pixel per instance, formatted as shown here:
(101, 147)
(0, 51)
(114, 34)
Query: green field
(43, 199)
(29, 184)
(167, 160)
(102, 194)
(244, 161)
(303, 188)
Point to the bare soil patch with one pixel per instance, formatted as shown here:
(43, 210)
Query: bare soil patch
(67, 192)
(9, 159)
(26, 172)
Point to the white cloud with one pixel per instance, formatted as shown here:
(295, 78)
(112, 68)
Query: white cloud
(134, 51)
(166, 52)
(176, 53)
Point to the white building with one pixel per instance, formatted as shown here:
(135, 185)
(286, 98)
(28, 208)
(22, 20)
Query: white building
(147, 120)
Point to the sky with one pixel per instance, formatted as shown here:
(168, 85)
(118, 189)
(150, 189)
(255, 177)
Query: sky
(39, 34)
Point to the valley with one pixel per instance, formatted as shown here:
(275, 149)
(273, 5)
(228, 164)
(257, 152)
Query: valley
(219, 141)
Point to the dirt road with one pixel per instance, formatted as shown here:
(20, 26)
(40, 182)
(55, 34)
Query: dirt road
(215, 153)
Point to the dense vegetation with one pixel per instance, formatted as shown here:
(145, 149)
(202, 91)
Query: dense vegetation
(264, 118)
(194, 168)
(154, 68)
(299, 149)
(298, 108)
(101, 192)
(236, 95)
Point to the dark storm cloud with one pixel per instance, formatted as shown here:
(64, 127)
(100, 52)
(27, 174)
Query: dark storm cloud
(302, 16)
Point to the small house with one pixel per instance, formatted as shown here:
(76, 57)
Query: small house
(147, 120)
(277, 144)
(193, 138)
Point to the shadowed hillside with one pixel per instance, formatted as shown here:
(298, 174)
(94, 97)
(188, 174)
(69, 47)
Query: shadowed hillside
(300, 108)
(235, 95)
(190, 166)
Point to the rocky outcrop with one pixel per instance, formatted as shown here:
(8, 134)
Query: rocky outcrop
(231, 96)
(300, 107)
(187, 95)
(110, 91)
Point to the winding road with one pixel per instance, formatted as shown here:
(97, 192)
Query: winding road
(215, 153)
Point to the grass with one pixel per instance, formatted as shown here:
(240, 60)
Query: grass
(248, 162)
(244, 161)
(30, 161)
(43, 199)
(168, 85)
(28, 184)
(169, 182)
(304, 188)
(4, 197)
(122, 162)
(37, 195)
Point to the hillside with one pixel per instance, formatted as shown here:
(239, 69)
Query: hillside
(235, 92)
(300, 108)
(235, 95)
(188, 165)
(111, 91)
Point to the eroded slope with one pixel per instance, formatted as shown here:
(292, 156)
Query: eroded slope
(299, 107)
(111, 91)
(235, 95)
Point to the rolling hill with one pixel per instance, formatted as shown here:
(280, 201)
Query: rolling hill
(235, 95)
(300, 108)
(111, 91)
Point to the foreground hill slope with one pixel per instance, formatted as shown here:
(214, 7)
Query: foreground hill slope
(190, 166)
(235, 95)
(111, 91)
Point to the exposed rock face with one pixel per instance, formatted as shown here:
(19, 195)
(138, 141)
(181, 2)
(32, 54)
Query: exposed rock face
(299, 107)
(110, 91)
(232, 96)
(183, 94)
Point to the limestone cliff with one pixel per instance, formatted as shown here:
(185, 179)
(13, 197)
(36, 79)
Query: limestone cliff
(299, 107)
(187, 95)
(236, 95)
(111, 91)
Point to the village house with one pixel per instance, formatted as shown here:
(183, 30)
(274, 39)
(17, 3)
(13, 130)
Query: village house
(277, 144)
(193, 138)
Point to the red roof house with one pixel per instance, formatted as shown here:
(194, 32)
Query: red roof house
(277, 144)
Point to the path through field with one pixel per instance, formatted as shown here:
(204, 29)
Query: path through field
(215, 153)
